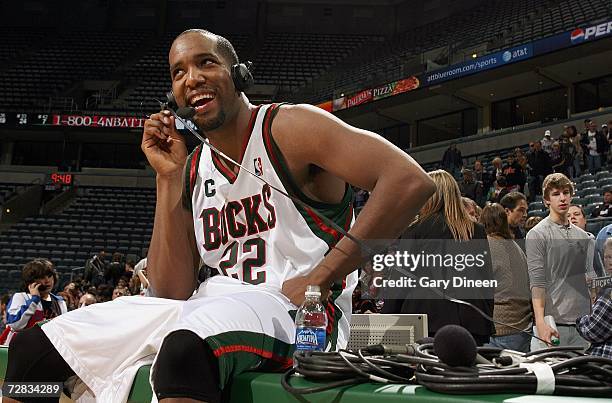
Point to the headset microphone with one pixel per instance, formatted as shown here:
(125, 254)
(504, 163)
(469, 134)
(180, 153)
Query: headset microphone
(186, 112)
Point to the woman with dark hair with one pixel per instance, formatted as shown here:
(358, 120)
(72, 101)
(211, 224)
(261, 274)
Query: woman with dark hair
(36, 303)
(512, 295)
(443, 227)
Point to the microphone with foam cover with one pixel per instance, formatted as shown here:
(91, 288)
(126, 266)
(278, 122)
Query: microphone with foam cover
(186, 112)
(455, 346)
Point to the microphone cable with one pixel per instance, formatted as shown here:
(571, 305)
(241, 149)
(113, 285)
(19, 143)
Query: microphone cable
(570, 372)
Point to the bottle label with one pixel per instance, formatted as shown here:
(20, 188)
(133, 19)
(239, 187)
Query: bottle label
(310, 339)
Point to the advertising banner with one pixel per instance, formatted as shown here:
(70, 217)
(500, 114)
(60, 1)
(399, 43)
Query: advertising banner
(483, 63)
(395, 87)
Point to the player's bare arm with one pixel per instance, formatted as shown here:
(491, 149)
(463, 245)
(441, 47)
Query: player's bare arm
(172, 258)
(308, 136)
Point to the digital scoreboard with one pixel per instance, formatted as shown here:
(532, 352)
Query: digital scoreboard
(31, 119)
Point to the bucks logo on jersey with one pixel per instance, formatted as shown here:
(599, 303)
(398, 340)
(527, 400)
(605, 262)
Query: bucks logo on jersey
(221, 224)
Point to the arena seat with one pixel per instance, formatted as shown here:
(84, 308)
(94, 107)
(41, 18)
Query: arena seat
(496, 25)
(119, 226)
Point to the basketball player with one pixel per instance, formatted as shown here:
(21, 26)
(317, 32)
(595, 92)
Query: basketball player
(267, 248)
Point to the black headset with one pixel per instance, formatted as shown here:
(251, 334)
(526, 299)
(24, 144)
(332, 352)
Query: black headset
(241, 76)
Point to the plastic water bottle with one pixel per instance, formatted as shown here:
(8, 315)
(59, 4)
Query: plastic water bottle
(311, 322)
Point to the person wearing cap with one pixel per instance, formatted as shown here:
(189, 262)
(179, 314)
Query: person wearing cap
(547, 142)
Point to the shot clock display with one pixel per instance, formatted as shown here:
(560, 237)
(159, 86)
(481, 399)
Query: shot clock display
(62, 179)
(59, 181)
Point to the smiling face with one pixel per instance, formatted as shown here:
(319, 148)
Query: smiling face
(201, 79)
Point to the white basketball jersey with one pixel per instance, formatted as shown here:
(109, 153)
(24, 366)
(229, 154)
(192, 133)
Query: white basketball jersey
(253, 233)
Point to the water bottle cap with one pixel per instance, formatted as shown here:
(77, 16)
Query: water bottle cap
(313, 291)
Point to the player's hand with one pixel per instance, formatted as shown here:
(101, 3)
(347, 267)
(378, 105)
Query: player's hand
(162, 144)
(295, 288)
(545, 332)
(33, 289)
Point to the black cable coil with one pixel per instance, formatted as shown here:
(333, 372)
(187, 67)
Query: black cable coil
(575, 373)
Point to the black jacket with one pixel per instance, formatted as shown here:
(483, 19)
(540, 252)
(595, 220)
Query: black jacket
(440, 312)
(600, 140)
(540, 163)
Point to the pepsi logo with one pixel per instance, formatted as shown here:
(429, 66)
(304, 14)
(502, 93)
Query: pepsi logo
(577, 35)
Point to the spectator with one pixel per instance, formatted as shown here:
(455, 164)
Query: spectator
(576, 216)
(531, 145)
(559, 257)
(517, 153)
(36, 303)
(452, 160)
(515, 205)
(606, 134)
(607, 258)
(478, 212)
(578, 160)
(71, 295)
(141, 272)
(541, 165)
(515, 177)
(129, 268)
(95, 269)
(547, 142)
(512, 299)
(469, 187)
(115, 269)
(568, 151)
(483, 177)
(443, 218)
(602, 236)
(605, 209)
(498, 191)
(104, 293)
(531, 222)
(498, 168)
(87, 299)
(558, 159)
(360, 304)
(596, 327)
(523, 162)
(3, 303)
(596, 146)
(470, 208)
(120, 292)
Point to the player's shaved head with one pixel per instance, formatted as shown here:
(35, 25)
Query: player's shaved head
(223, 45)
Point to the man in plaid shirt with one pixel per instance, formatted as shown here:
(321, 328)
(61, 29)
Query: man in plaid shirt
(597, 327)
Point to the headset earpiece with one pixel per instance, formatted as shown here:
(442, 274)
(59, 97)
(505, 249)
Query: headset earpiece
(242, 76)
